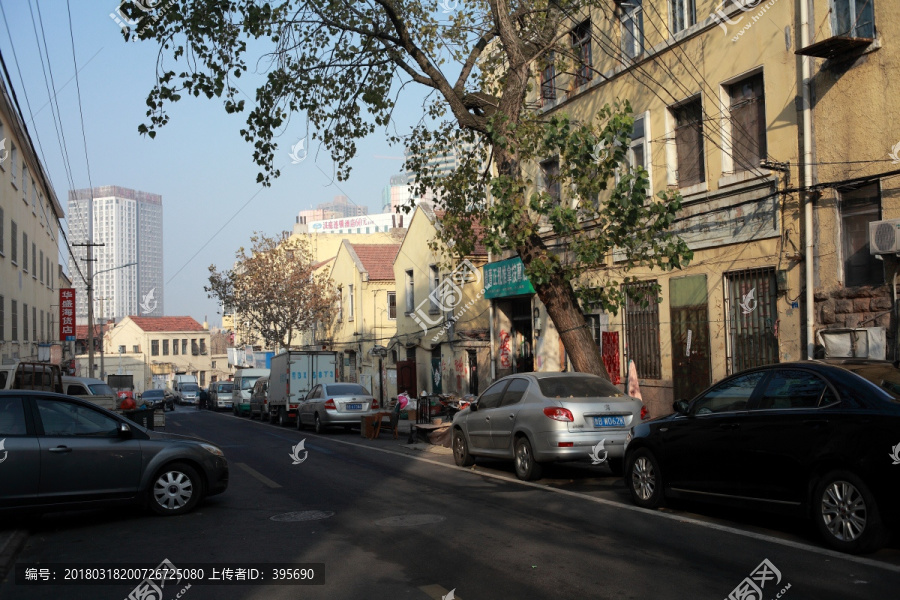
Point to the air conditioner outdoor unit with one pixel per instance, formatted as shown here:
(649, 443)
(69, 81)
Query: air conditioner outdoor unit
(884, 237)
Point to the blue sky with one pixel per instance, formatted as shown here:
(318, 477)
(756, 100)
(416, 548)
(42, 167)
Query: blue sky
(198, 162)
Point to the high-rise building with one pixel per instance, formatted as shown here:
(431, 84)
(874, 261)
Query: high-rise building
(129, 225)
(340, 207)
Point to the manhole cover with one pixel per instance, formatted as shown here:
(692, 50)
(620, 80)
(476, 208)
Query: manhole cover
(410, 520)
(303, 515)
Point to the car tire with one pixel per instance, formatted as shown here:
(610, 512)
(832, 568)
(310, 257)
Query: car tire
(616, 465)
(461, 450)
(319, 427)
(847, 515)
(300, 425)
(175, 489)
(644, 479)
(282, 417)
(527, 468)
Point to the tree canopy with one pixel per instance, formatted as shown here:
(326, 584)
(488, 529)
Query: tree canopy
(344, 64)
(274, 289)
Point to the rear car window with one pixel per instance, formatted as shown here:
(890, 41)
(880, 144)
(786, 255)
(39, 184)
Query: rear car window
(12, 417)
(577, 387)
(885, 376)
(347, 389)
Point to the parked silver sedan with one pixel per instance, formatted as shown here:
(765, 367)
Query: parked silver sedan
(335, 404)
(534, 418)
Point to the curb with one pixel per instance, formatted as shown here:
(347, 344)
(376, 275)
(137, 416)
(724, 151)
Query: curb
(10, 547)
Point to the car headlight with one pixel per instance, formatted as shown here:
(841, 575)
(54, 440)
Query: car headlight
(212, 449)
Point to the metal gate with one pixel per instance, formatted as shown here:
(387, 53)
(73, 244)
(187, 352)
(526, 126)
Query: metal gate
(752, 318)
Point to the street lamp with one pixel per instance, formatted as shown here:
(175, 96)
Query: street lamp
(90, 294)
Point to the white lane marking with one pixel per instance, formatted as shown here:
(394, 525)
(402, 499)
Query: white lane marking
(664, 515)
(259, 476)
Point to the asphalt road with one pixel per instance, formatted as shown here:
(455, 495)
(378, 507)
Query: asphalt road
(379, 521)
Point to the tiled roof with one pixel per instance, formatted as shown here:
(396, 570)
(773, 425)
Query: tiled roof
(81, 331)
(479, 248)
(167, 323)
(377, 260)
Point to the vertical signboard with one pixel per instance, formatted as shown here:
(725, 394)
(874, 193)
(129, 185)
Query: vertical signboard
(67, 314)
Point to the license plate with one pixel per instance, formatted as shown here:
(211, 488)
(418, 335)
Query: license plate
(354, 407)
(609, 421)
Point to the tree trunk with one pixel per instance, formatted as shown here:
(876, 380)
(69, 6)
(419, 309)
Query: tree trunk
(563, 309)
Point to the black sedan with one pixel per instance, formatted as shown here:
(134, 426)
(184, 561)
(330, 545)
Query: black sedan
(159, 399)
(60, 452)
(817, 438)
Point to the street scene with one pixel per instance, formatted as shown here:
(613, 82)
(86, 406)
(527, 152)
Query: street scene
(393, 298)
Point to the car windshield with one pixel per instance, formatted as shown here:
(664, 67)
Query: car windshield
(247, 382)
(190, 387)
(226, 388)
(577, 387)
(347, 389)
(101, 389)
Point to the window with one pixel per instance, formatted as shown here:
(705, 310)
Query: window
(49, 274)
(2, 226)
(351, 300)
(491, 398)
(642, 328)
(792, 389)
(154, 347)
(13, 234)
(202, 346)
(683, 14)
(24, 322)
(340, 302)
(581, 48)
(550, 173)
(637, 149)
(136, 349)
(2, 319)
(729, 396)
(515, 392)
(748, 123)
(434, 282)
(14, 321)
(61, 418)
(14, 156)
(175, 347)
(121, 349)
(752, 315)
(391, 302)
(33, 261)
(410, 292)
(548, 79)
(632, 20)
(184, 346)
(12, 417)
(853, 18)
(859, 207)
(43, 337)
(24, 182)
(41, 263)
(34, 336)
(165, 347)
(689, 143)
(24, 251)
(195, 349)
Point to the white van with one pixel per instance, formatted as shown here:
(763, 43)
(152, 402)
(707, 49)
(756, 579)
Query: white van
(243, 386)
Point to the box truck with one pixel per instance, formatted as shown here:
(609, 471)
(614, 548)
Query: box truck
(293, 374)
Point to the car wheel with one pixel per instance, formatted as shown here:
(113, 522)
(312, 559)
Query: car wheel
(461, 450)
(527, 468)
(176, 489)
(616, 465)
(644, 479)
(282, 417)
(319, 426)
(300, 425)
(846, 514)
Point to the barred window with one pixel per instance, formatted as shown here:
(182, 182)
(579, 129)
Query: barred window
(642, 328)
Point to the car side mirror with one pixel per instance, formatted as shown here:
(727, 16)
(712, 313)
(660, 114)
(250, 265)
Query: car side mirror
(681, 407)
(124, 430)
(474, 407)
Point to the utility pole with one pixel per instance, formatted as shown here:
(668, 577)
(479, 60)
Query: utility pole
(90, 294)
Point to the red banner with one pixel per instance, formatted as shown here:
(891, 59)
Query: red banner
(67, 314)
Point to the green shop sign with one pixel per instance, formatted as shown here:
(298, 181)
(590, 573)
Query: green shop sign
(506, 278)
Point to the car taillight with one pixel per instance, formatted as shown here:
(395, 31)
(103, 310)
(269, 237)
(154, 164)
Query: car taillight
(374, 403)
(330, 404)
(559, 414)
(645, 413)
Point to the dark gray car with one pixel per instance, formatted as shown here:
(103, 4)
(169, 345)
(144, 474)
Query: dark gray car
(59, 452)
